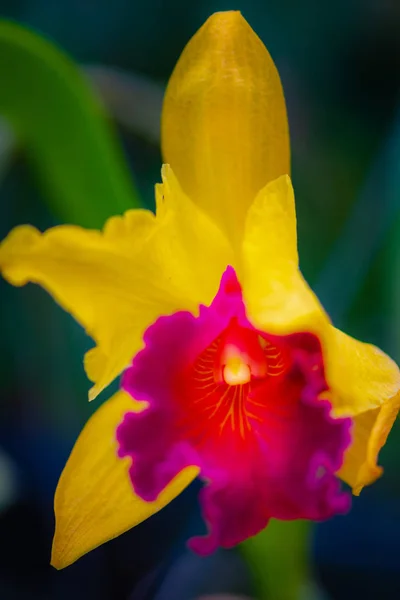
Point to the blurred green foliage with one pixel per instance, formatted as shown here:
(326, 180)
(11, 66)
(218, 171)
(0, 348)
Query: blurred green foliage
(60, 122)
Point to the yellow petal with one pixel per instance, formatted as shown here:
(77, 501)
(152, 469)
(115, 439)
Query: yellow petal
(94, 501)
(224, 122)
(117, 282)
(361, 376)
(189, 243)
(277, 298)
(370, 432)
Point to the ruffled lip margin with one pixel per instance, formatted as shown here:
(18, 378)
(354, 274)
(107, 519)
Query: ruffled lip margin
(237, 501)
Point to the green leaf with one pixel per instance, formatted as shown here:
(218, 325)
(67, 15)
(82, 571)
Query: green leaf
(62, 126)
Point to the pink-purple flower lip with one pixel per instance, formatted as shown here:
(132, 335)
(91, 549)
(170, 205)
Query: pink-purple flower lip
(242, 405)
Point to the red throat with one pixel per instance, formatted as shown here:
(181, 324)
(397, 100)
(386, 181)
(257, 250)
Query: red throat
(224, 378)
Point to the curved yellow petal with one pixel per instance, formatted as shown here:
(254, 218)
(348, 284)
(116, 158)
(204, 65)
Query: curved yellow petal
(370, 432)
(277, 298)
(361, 376)
(94, 501)
(224, 122)
(116, 282)
(364, 382)
(190, 243)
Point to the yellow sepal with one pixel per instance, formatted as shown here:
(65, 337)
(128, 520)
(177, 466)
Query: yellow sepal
(94, 501)
(224, 123)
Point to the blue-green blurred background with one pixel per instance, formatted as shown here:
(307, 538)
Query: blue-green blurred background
(340, 67)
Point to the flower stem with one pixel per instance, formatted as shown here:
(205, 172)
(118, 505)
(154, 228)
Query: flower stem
(279, 560)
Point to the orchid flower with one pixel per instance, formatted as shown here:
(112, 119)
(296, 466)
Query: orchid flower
(231, 370)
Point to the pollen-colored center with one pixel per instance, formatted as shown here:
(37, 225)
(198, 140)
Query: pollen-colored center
(236, 371)
(219, 391)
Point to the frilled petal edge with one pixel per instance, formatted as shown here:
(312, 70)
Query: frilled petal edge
(116, 282)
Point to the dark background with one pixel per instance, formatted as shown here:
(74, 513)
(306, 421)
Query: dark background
(340, 66)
